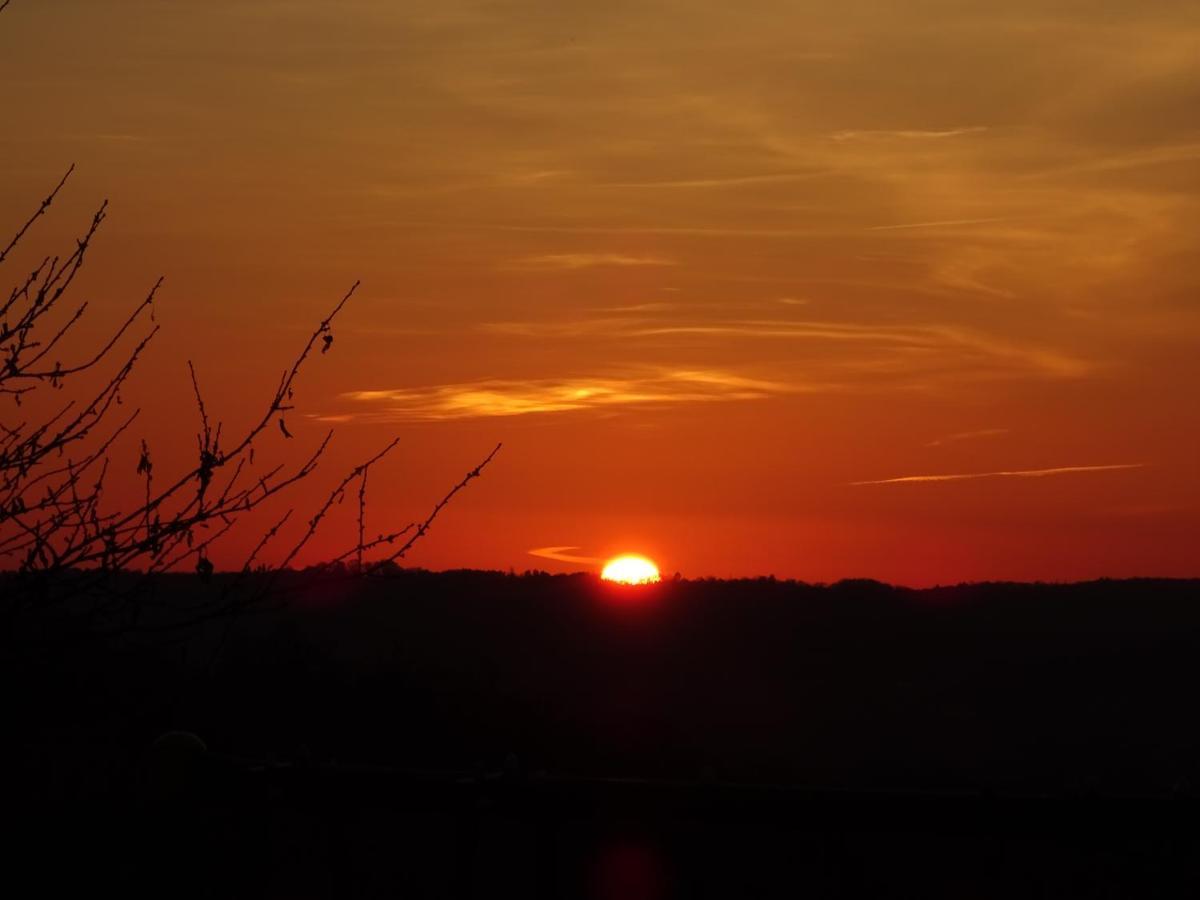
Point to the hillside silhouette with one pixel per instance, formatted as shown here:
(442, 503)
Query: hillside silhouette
(852, 709)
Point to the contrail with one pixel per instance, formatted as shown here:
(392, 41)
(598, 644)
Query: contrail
(1022, 473)
(558, 554)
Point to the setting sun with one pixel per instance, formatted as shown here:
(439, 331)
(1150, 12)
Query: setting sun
(630, 569)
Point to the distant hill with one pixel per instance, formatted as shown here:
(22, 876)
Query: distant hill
(471, 733)
(1004, 686)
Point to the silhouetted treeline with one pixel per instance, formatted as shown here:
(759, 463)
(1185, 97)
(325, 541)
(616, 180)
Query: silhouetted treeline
(466, 733)
(1085, 687)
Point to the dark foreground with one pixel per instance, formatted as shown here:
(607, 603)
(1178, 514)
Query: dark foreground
(475, 734)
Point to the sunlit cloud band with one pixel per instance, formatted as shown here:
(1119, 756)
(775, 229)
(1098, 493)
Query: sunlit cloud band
(495, 397)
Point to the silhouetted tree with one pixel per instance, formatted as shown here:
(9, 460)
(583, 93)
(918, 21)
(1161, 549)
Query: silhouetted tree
(60, 529)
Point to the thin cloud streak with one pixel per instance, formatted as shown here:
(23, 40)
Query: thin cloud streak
(559, 554)
(905, 134)
(945, 223)
(466, 224)
(730, 181)
(966, 436)
(637, 308)
(951, 342)
(1020, 473)
(572, 261)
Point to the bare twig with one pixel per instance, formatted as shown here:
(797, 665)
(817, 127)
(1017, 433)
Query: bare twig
(334, 496)
(41, 210)
(362, 516)
(424, 527)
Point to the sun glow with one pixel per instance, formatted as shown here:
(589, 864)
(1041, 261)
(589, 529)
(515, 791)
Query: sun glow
(630, 569)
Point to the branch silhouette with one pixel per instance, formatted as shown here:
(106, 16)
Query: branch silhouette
(59, 527)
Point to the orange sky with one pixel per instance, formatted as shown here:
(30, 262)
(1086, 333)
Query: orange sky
(714, 273)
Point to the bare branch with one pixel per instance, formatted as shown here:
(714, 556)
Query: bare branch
(423, 528)
(58, 524)
(362, 516)
(333, 498)
(41, 210)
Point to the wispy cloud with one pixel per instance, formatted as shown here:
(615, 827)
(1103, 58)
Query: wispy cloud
(726, 181)
(496, 397)
(534, 177)
(768, 328)
(601, 326)
(966, 436)
(637, 308)
(469, 224)
(560, 554)
(909, 134)
(570, 261)
(916, 345)
(1153, 156)
(1019, 473)
(906, 356)
(121, 138)
(944, 223)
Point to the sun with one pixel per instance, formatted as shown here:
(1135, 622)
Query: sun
(630, 569)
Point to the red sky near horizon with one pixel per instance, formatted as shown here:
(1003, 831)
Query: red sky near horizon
(735, 285)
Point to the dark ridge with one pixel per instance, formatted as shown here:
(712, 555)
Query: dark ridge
(748, 714)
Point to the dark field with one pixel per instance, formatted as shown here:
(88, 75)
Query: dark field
(479, 734)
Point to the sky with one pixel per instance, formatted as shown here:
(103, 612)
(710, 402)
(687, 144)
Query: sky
(867, 289)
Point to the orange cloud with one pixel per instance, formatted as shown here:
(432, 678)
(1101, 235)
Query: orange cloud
(497, 397)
